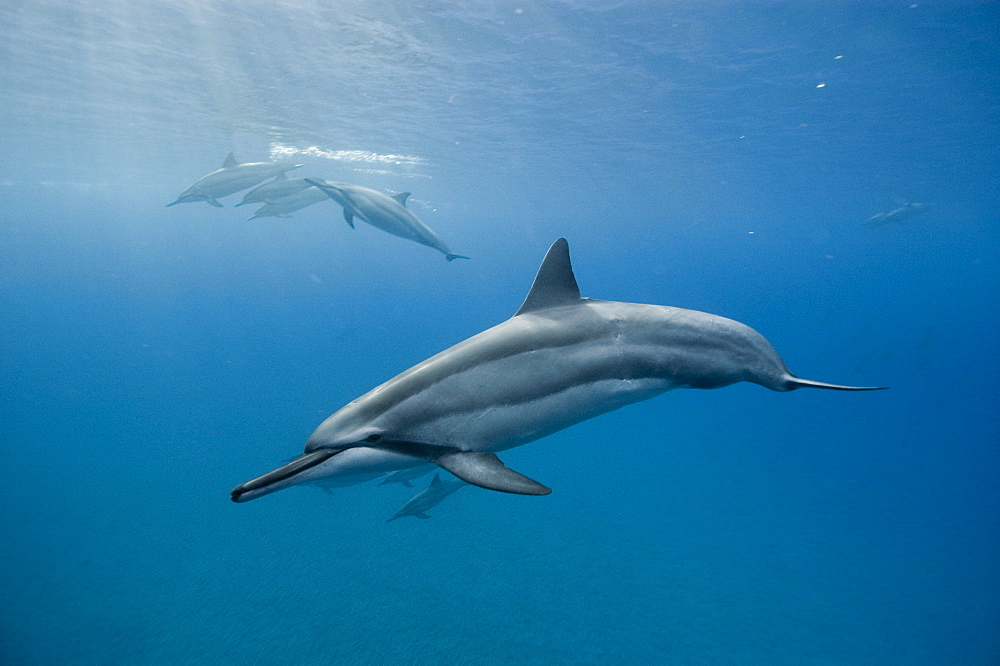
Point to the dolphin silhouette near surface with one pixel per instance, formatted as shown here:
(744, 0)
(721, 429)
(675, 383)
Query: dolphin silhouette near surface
(389, 214)
(561, 359)
(231, 178)
(279, 188)
(288, 205)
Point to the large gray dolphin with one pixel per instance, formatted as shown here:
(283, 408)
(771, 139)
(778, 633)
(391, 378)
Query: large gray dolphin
(430, 497)
(389, 214)
(285, 207)
(279, 188)
(231, 178)
(561, 359)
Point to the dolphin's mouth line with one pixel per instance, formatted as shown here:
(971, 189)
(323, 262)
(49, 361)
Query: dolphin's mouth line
(297, 466)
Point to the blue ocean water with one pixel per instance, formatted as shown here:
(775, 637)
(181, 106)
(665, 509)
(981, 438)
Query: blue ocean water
(719, 156)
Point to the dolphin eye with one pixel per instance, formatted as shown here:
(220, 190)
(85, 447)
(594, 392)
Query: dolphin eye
(373, 438)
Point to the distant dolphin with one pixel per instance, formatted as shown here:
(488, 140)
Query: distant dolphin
(285, 207)
(904, 212)
(405, 476)
(387, 213)
(430, 497)
(561, 359)
(279, 188)
(231, 178)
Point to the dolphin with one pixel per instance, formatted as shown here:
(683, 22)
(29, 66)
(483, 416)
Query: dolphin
(279, 188)
(429, 497)
(405, 476)
(904, 212)
(231, 178)
(561, 359)
(290, 204)
(389, 214)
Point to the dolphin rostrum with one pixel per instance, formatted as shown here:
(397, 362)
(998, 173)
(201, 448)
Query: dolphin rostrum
(279, 188)
(561, 359)
(430, 497)
(231, 178)
(389, 214)
(285, 207)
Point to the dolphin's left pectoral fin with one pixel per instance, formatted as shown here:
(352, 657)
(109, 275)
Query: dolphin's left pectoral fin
(214, 203)
(485, 470)
(349, 218)
(480, 468)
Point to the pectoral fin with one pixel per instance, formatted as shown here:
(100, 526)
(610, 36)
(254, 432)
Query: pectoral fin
(480, 468)
(487, 471)
(349, 217)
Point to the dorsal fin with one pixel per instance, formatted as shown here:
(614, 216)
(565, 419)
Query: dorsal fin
(554, 284)
(401, 198)
(436, 481)
(230, 161)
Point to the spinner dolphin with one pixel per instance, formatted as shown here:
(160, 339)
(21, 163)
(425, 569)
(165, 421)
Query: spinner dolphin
(561, 359)
(389, 214)
(231, 178)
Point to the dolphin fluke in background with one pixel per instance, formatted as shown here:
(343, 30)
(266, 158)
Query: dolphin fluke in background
(560, 360)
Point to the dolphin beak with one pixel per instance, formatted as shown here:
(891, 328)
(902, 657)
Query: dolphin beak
(272, 481)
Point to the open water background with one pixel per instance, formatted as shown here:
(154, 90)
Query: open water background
(719, 156)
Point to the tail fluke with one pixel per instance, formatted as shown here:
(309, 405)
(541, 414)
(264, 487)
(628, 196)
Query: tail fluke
(793, 383)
